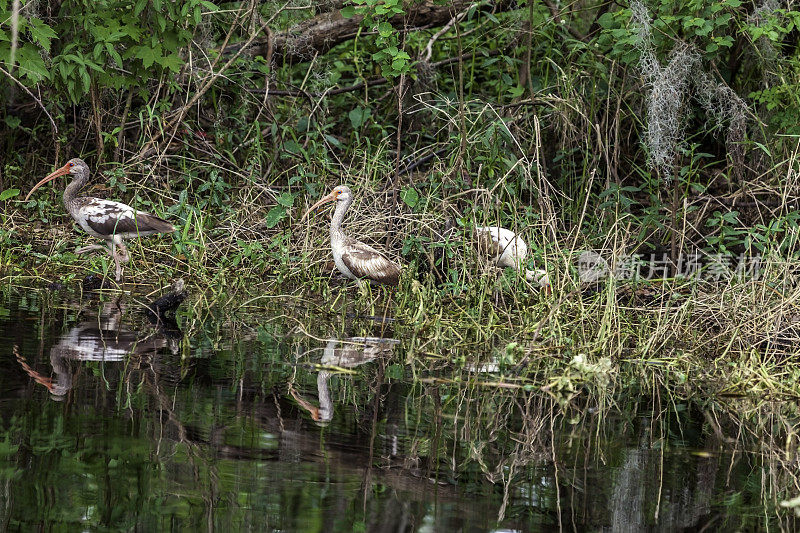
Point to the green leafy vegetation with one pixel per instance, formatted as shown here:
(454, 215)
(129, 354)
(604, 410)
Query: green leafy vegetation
(662, 136)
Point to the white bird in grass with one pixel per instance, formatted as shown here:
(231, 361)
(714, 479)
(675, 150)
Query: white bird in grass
(106, 219)
(353, 258)
(507, 249)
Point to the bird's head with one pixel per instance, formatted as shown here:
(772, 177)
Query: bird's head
(76, 167)
(540, 279)
(342, 193)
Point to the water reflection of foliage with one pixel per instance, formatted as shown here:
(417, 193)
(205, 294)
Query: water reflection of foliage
(535, 453)
(215, 438)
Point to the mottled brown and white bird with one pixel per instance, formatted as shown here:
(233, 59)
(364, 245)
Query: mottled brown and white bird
(106, 338)
(347, 353)
(106, 219)
(507, 249)
(353, 258)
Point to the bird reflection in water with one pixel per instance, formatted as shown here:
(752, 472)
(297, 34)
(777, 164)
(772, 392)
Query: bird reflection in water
(341, 354)
(107, 338)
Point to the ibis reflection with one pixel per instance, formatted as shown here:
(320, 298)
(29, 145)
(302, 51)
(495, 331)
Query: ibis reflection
(106, 337)
(342, 354)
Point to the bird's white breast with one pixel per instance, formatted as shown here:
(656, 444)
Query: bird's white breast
(338, 249)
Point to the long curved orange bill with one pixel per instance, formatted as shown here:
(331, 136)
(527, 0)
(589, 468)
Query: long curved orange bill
(308, 406)
(325, 199)
(60, 172)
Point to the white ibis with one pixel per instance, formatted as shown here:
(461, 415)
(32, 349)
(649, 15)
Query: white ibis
(508, 249)
(106, 219)
(354, 259)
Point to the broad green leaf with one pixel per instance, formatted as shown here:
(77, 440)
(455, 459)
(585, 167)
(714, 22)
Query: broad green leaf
(162, 22)
(147, 55)
(385, 29)
(74, 58)
(209, 5)
(41, 33)
(114, 54)
(286, 199)
(133, 32)
(8, 193)
(359, 116)
(171, 61)
(516, 92)
(606, 20)
(32, 64)
(410, 196)
(275, 215)
(85, 79)
(333, 140)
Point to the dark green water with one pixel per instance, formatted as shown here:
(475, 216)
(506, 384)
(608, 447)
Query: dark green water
(245, 422)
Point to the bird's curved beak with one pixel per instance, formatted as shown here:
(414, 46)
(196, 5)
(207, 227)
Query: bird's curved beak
(60, 172)
(308, 406)
(325, 199)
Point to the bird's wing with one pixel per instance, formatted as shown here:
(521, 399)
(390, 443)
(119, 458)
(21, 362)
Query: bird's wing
(364, 261)
(106, 217)
(492, 240)
(502, 244)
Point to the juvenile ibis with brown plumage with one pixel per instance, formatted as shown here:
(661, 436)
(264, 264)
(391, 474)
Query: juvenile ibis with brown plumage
(105, 219)
(353, 258)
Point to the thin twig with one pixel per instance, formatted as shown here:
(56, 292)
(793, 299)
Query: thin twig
(445, 29)
(328, 92)
(36, 99)
(423, 160)
(557, 17)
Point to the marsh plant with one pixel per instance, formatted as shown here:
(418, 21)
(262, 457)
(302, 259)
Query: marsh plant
(564, 125)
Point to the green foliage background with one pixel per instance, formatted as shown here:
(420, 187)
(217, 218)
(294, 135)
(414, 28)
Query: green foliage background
(545, 106)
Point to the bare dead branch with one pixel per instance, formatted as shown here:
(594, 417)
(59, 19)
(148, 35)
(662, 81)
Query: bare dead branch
(332, 92)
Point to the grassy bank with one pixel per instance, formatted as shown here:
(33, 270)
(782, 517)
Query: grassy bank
(731, 337)
(659, 137)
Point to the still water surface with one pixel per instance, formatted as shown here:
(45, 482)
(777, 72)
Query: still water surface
(232, 421)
